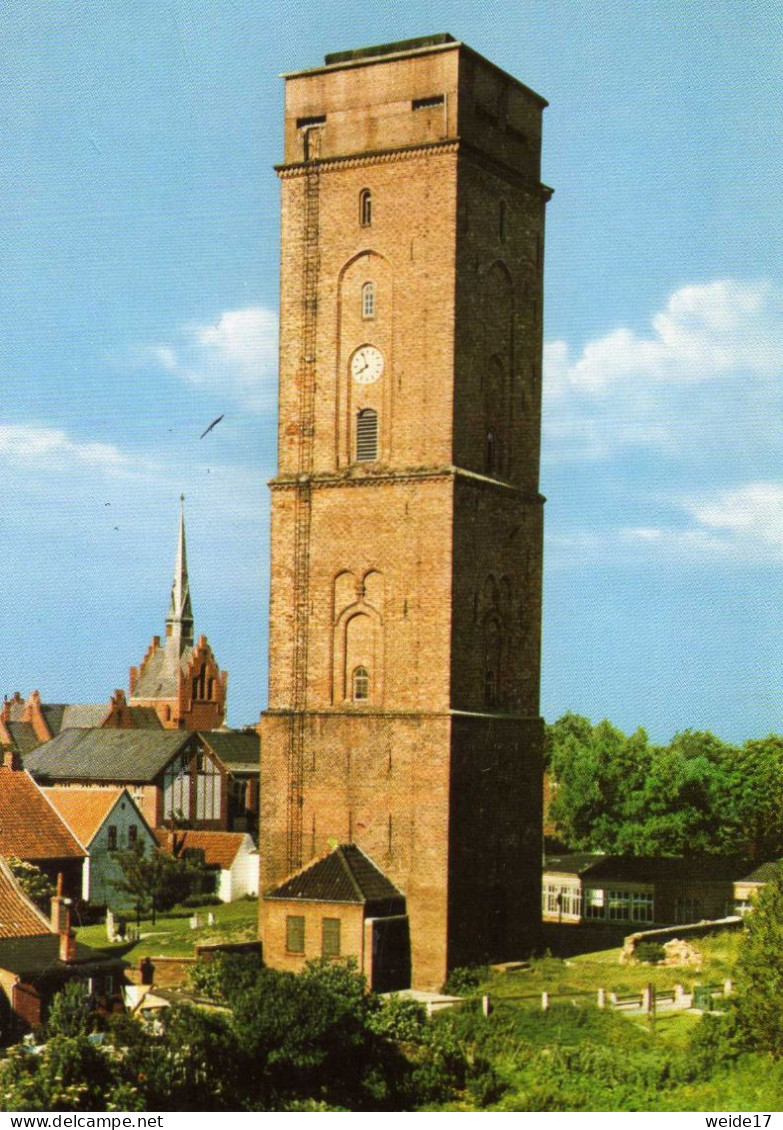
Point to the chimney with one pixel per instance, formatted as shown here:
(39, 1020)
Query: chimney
(60, 914)
(12, 758)
(67, 938)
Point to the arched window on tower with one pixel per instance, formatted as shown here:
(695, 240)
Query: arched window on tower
(360, 689)
(366, 435)
(502, 221)
(368, 300)
(365, 207)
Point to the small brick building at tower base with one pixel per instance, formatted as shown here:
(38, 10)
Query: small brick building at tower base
(407, 523)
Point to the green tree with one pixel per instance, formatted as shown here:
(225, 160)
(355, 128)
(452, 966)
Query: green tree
(676, 808)
(156, 881)
(597, 770)
(309, 1037)
(38, 887)
(226, 977)
(696, 794)
(201, 1066)
(751, 823)
(760, 970)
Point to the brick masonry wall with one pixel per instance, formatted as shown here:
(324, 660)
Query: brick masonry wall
(275, 914)
(428, 578)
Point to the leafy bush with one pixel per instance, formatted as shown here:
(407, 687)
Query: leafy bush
(202, 900)
(483, 1082)
(71, 1013)
(399, 1019)
(760, 972)
(226, 977)
(464, 980)
(717, 1041)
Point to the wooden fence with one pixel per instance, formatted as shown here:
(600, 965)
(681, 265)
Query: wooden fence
(648, 1001)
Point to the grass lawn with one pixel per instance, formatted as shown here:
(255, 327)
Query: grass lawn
(586, 973)
(172, 935)
(577, 1057)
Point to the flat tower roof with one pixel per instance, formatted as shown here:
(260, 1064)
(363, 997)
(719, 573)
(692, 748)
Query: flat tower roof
(388, 48)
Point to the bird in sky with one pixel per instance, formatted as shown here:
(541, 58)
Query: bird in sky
(211, 426)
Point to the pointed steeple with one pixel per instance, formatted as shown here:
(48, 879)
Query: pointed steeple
(179, 622)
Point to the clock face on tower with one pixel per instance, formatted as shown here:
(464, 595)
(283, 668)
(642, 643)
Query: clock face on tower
(366, 365)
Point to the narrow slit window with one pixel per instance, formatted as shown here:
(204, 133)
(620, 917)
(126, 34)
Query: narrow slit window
(365, 207)
(361, 684)
(427, 103)
(312, 120)
(368, 300)
(366, 435)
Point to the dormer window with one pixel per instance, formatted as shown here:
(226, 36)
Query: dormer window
(365, 207)
(368, 300)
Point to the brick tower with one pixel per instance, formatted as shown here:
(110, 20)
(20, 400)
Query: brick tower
(406, 520)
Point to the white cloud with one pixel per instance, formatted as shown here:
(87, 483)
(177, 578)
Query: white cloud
(706, 368)
(751, 514)
(38, 446)
(235, 356)
(743, 523)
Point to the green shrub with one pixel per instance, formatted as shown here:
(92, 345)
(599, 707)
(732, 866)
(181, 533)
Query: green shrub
(483, 1082)
(399, 1019)
(464, 980)
(717, 1041)
(226, 977)
(202, 900)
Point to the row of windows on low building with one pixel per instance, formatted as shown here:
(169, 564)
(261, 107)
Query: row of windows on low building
(565, 901)
(598, 903)
(295, 939)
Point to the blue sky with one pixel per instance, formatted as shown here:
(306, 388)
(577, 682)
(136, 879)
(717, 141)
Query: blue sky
(138, 292)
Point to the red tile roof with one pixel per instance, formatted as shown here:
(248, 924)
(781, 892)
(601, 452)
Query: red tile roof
(83, 809)
(220, 848)
(19, 918)
(29, 826)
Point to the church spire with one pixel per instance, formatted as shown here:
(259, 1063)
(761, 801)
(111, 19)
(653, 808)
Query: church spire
(179, 622)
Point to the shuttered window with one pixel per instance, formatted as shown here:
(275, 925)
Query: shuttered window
(330, 937)
(295, 933)
(367, 435)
